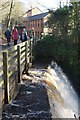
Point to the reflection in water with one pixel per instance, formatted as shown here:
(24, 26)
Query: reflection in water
(62, 97)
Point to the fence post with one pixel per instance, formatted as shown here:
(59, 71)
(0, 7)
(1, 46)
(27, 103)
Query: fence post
(26, 49)
(6, 77)
(19, 63)
(30, 53)
(26, 59)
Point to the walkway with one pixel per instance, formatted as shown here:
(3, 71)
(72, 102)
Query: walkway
(31, 103)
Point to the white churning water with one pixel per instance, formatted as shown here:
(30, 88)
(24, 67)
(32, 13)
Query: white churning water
(62, 97)
(69, 108)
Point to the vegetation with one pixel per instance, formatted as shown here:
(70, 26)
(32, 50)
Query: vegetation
(11, 12)
(63, 45)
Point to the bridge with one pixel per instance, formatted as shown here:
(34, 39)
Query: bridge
(13, 61)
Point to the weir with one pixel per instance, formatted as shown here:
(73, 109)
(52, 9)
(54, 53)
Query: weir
(61, 100)
(69, 106)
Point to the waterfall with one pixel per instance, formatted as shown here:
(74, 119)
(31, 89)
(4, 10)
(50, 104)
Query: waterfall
(65, 89)
(62, 97)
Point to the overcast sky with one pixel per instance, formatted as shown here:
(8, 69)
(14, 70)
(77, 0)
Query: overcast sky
(43, 4)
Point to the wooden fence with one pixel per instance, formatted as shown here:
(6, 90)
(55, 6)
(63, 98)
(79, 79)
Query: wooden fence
(13, 62)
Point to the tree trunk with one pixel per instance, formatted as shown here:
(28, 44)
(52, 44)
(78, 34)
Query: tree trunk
(9, 16)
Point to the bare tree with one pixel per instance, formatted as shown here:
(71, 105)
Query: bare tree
(9, 15)
(10, 12)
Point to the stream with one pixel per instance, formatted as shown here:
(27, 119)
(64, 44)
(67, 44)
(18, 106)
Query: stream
(45, 93)
(62, 97)
(69, 106)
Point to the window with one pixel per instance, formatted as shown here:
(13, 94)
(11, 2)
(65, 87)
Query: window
(28, 24)
(31, 24)
(38, 23)
(41, 23)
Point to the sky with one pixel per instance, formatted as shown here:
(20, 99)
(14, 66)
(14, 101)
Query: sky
(43, 4)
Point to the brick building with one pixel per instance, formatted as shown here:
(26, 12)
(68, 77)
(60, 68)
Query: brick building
(35, 21)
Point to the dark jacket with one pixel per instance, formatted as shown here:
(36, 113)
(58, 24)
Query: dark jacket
(23, 37)
(7, 34)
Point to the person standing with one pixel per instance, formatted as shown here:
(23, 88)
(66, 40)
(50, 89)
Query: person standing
(23, 36)
(8, 36)
(15, 35)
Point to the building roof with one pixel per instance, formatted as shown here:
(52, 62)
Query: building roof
(38, 16)
(32, 9)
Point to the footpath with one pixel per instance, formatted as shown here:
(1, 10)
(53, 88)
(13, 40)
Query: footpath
(31, 103)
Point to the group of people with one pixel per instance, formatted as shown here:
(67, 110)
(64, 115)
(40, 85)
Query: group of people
(15, 35)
